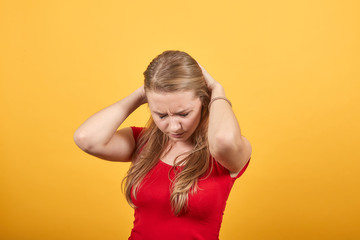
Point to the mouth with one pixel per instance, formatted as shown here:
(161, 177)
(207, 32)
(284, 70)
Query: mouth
(176, 135)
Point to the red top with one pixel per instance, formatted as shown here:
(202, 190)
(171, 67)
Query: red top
(154, 218)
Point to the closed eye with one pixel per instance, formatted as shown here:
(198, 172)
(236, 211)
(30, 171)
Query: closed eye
(184, 115)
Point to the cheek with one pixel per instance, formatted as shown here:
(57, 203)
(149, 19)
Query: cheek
(160, 124)
(193, 122)
(197, 119)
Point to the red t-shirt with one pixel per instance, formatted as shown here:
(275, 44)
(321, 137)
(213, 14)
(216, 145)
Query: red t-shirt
(154, 218)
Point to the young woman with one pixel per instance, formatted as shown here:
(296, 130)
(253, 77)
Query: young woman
(185, 161)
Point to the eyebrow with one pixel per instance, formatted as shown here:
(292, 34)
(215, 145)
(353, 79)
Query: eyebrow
(180, 112)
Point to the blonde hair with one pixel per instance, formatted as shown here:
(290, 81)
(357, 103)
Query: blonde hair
(172, 71)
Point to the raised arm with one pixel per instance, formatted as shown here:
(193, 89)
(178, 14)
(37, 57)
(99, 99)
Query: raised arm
(98, 135)
(227, 145)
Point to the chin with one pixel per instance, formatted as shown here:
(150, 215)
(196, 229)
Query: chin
(181, 140)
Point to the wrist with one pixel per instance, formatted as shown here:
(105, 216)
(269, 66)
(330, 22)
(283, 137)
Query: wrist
(219, 98)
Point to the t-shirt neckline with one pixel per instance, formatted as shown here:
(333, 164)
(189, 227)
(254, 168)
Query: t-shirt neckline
(167, 164)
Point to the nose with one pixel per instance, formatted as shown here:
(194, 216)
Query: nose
(174, 125)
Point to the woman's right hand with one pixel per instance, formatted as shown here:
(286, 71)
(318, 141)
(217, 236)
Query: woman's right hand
(142, 95)
(99, 136)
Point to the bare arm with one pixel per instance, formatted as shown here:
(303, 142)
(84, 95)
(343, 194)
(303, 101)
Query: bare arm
(226, 143)
(98, 135)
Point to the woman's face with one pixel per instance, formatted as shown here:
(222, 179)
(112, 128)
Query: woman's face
(176, 114)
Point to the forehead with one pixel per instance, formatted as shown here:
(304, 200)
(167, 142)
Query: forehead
(172, 102)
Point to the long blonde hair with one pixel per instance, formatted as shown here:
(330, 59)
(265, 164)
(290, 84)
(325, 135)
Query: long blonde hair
(172, 71)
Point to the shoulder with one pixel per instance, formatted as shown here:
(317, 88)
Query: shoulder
(137, 131)
(218, 167)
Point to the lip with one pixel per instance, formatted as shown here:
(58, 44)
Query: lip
(176, 135)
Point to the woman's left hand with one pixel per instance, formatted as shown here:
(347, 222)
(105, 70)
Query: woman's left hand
(210, 81)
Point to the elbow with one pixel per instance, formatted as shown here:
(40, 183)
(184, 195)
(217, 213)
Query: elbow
(230, 150)
(224, 144)
(81, 141)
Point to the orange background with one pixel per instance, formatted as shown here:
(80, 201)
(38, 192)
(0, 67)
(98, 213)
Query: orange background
(290, 68)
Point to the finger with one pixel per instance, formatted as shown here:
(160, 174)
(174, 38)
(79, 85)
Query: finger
(199, 65)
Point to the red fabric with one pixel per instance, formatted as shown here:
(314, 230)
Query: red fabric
(154, 218)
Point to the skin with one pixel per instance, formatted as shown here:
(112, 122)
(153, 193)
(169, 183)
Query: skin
(226, 143)
(177, 115)
(99, 136)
